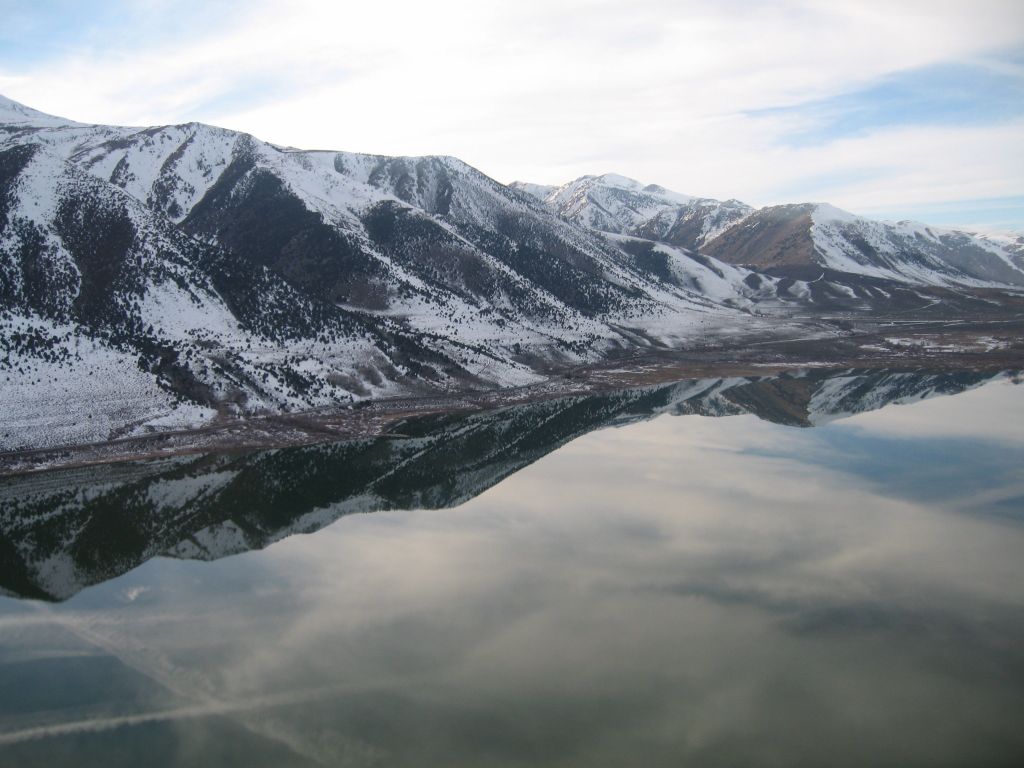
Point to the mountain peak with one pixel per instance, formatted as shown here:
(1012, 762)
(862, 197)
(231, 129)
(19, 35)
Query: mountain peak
(14, 112)
(618, 180)
(825, 212)
(617, 204)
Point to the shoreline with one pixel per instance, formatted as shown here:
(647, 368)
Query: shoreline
(980, 346)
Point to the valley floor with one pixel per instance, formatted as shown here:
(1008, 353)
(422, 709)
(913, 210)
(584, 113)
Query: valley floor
(893, 343)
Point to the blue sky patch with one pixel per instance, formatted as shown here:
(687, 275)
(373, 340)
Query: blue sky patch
(955, 94)
(33, 33)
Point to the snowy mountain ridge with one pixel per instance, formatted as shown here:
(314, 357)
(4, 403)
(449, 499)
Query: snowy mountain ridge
(620, 205)
(161, 277)
(778, 238)
(13, 113)
(190, 271)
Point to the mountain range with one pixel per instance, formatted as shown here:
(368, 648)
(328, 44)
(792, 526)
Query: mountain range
(787, 240)
(157, 278)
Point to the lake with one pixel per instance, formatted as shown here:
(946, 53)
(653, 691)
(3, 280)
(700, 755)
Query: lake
(810, 569)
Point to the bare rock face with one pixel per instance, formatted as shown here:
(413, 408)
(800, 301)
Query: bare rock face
(771, 237)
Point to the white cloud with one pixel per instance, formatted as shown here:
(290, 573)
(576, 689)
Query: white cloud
(549, 90)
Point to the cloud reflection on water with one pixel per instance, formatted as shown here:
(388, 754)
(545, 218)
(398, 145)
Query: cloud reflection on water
(716, 591)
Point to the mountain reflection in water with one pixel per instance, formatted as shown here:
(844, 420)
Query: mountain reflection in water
(714, 591)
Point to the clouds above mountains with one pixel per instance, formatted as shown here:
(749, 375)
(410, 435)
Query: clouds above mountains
(879, 107)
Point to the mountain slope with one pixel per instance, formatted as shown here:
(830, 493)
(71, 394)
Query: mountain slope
(786, 238)
(113, 319)
(156, 278)
(375, 232)
(207, 272)
(402, 235)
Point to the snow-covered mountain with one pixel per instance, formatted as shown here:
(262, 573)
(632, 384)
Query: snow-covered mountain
(623, 206)
(788, 237)
(184, 271)
(787, 240)
(155, 278)
(62, 531)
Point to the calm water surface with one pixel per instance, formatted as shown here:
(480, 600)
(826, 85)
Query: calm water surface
(677, 590)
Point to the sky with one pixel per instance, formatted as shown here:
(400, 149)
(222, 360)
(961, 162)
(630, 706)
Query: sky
(895, 109)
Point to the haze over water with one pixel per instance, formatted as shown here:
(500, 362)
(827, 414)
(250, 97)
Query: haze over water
(680, 590)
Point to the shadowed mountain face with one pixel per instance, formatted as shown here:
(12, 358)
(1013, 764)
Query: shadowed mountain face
(65, 530)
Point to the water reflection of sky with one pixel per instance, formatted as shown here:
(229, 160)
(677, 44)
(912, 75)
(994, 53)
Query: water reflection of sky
(959, 453)
(684, 590)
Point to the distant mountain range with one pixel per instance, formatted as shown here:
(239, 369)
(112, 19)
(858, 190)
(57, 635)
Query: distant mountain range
(64, 530)
(151, 278)
(787, 239)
